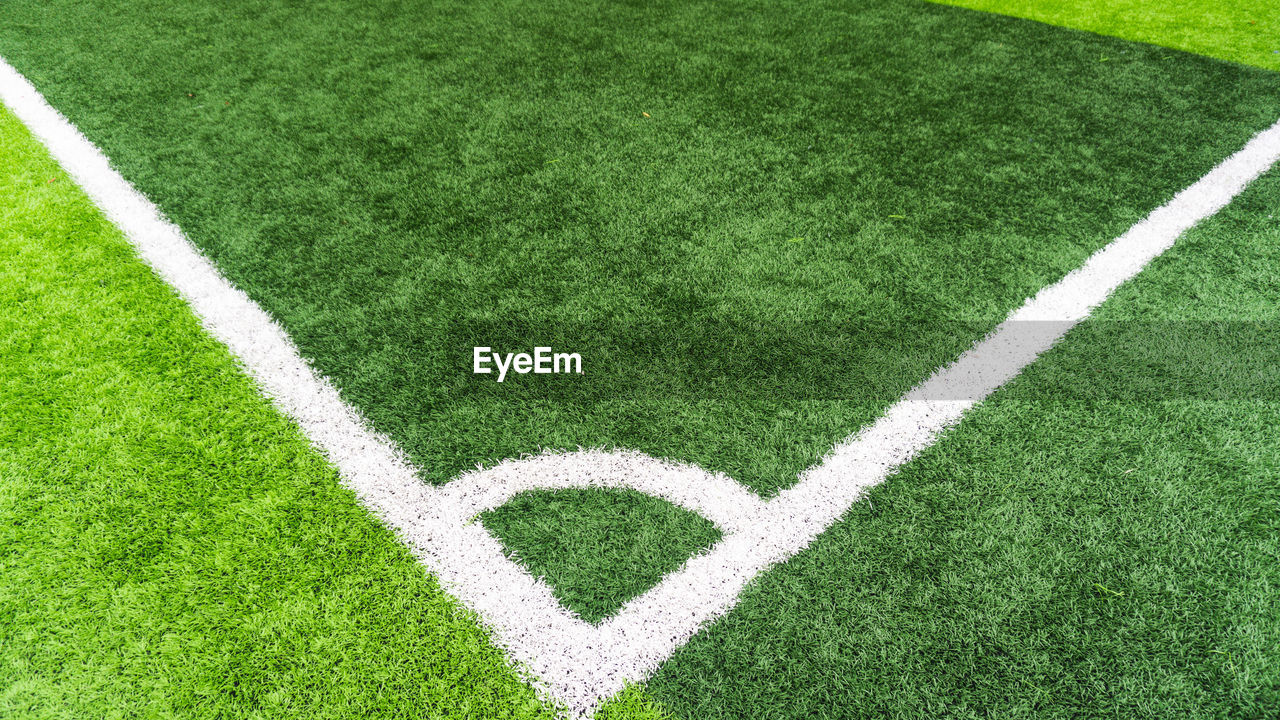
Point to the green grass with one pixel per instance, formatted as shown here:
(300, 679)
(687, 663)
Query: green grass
(633, 704)
(1100, 539)
(759, 223)
(1243, 31)
(380, 177)
(599, 548)
(169, 545)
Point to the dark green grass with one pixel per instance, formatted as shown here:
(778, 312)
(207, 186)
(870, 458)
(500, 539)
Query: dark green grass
(825, 201)
(1101, 539)
(599, 548)
(169, 546)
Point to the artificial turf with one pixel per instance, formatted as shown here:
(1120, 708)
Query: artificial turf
(1100, 539)
(169, 545)
(1243, 31)
(758, 223)
(599, 548)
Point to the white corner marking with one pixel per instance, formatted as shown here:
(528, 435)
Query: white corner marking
(577, 663)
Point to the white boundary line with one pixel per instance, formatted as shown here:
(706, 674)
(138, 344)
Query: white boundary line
(581, 664)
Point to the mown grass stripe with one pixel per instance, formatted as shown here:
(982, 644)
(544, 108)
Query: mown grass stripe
(1243, 31)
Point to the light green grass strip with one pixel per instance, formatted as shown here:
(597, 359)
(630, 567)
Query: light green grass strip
(169, 545)
(633, 703)
(1243, 31)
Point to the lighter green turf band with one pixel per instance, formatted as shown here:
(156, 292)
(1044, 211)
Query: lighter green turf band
(1243, 31)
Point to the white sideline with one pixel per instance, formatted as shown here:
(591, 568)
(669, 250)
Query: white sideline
(581, 664)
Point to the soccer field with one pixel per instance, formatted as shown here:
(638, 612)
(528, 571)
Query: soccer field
(926, 360)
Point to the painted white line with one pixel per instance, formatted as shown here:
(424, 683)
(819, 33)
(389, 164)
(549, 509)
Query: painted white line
(727, 504)
(577, 663)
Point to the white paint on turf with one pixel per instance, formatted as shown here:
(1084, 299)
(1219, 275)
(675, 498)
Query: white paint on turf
(581, 664)
(727, 504)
